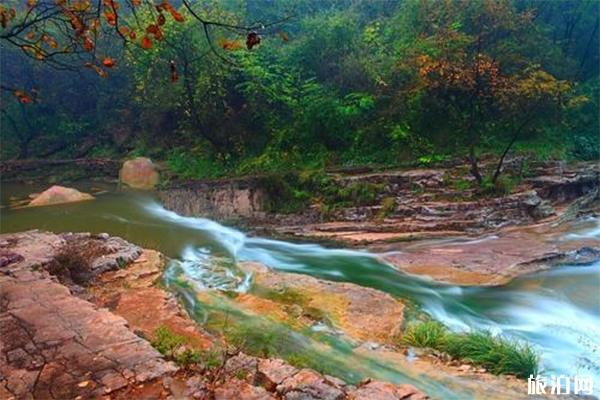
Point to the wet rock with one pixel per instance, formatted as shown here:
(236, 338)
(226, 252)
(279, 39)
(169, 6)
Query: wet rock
(139, 173)
(499, 258)
(59, 195)
(309, 385)
(359, 312)
(375, 390)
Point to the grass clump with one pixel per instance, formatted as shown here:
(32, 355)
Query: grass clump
(500, 356)
(174, 347)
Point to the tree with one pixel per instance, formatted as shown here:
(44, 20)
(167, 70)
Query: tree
(471, 60)
(69, 34)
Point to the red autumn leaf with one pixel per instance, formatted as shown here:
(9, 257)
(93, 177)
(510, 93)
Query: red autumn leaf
(30, 35)
(108, 62)
(152, 28)
(88, 44)
(111, 18)
(161, 20)
(132, 35)
(230, 45)
(252, 39)
(23, 97)
(146, 43)
(176, 15)
(136, 3)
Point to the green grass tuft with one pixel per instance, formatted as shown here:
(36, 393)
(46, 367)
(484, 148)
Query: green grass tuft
(499, 355)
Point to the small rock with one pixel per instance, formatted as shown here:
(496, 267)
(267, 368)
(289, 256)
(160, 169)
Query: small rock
(59, 195)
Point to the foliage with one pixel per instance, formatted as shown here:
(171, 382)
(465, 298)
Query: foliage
(341, 83)
(494, 353)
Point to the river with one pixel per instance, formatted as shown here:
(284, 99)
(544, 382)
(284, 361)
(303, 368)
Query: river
(557, 311)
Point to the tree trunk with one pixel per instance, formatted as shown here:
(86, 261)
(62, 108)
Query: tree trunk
(474, 165)
(507, 149)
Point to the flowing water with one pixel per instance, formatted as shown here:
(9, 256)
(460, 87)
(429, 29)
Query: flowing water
(557, 311)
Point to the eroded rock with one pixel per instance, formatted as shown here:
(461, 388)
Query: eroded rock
(59, 195)
(362, 313)
(56, 345)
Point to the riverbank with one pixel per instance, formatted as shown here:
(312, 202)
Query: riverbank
(210, 275)
(95, 300)
(68, 336)
(422, 221)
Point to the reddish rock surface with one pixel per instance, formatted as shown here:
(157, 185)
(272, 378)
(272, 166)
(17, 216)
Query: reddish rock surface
(57, 345)
(59, 195)
(496, 259)
(139, 173)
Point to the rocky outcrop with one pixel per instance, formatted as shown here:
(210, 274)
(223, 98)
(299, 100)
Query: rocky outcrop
(360, 313)
(426, 203)
(56, 345)
(59, 195)
(385, 391)
(60, 341)
(219, 199)
(496, 259)
(139, 173)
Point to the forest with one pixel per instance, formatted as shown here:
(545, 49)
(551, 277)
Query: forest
(331, 83)
(299, 199)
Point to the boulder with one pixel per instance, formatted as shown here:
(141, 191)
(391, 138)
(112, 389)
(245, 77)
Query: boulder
(59, 195)
(139, 173)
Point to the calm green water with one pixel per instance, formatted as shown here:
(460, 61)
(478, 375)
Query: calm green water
(558, 311)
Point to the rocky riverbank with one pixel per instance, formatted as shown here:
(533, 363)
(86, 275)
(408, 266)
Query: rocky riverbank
(78, 314)
(424, 221)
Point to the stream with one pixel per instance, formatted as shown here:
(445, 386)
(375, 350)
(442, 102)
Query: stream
(557, 311)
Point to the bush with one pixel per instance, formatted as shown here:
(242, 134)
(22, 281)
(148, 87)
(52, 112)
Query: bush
(72, 264)
(388, 205)
(496, 354)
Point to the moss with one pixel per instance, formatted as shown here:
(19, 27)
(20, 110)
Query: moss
(285, 295)
(497, 354)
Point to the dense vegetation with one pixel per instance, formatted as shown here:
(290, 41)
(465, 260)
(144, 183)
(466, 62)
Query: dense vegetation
(339, 83)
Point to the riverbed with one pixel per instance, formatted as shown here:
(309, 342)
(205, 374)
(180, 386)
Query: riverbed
(557, 311)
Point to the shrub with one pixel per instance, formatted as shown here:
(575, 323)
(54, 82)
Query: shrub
(388, 205)
(72, 264)
(496, 354)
